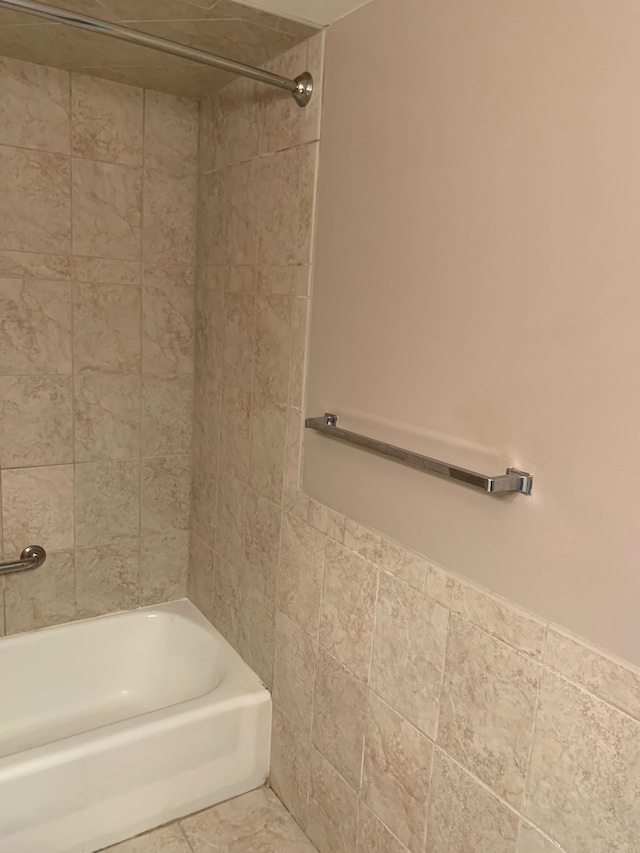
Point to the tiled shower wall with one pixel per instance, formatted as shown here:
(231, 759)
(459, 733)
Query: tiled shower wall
(97, 256)
(413, 712)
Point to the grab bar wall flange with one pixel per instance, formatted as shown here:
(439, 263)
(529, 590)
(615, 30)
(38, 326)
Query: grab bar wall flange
(513, 480)
(32, 557)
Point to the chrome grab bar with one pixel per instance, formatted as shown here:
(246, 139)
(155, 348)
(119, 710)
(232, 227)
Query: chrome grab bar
(512, 481)
(32, 557)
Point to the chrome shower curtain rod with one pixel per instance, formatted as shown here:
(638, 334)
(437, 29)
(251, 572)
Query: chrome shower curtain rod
(301, 88)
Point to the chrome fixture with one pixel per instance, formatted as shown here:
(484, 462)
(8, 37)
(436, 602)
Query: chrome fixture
(513, 481)
(301, 88)
(32, 557)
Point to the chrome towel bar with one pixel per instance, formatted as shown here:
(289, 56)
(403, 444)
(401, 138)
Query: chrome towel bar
(512, 481)
(32, 557)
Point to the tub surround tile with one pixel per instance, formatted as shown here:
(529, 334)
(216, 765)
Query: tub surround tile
(35, 265)
(34, 106)
(169, 229)
(585, 771)
(325, 519)
(166, 494)
(235, 433)
(231, 520)
(464, 816)
(167, 330)
(43, 597)
(107, 578)
(290, 766)
(107, 271)
(164, 564)
(35, 204)
(388, 555)
(347, 608)
(300, 573)
(106, 328)
(107, 120)
(253, 823)
(200, 579)
(42, 406)
(171, 134)
(532, 841)
(37, 508)
(169, 275)
(297, 358)
(107, 209)
(239, 333)
(487, 708)
(262, 543)
(273, 346)
(257, 636)
(333, 809)
(209, 333)
(397, 766)
(167, 404)
(229, 215)
(106, 417)
(339, 714)
(227, 601)
(35, 327)
(204, 499)
(107, 501)
(229, 125)
(267, 446)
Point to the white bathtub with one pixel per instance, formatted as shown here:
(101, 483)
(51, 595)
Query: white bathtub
(112, 726)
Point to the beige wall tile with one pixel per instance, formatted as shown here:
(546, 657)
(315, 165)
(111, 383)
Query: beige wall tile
(166, 494)
(282, 122)
(167, 330)
(171, 134)
(301, 572)
(585, 771)
(347, 608)
(397, 766)
(390, 556)
(262, 543)
(253, 822)
(257, 635)
(106, 328)
(164, 565)
(42, 597)
(284, 280)
(37, 508)
(204, 500)
(35, 421)
(206, 420)
(235, 426)
(35, 204)
(286, 183)
(464, 816)
(107, 578)
(231, 520)
(532, 841)
(167, 405)
(611, 680)
(107, 271)
(49, 267)
(209, 331)
(107, 209)
(107, 501)
(106, 417)
(510, 624)
(373, 835)
(34, 106)
(299, 330)
(487, 708)
(325, 519)
(228, 215)
(408, 652)
(169, 275)
(333, 809)
(339, 714)
(107, 120)
(200, 580)
(169, 230)
(289, 770)
(272, 347)
(294, 671)
(266, 453)
(239, 333)
(227, 601)
(229, 125)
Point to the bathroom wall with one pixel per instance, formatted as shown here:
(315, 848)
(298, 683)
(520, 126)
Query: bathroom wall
(476, 275)
(413, 711)
(97, 253)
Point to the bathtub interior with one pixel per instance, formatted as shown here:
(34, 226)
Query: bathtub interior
(74, 678)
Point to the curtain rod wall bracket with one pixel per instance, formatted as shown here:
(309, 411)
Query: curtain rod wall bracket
(301, 88)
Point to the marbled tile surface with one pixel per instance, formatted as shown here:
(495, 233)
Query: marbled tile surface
(257, 822)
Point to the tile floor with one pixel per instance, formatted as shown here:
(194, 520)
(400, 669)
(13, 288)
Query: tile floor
(257, 822)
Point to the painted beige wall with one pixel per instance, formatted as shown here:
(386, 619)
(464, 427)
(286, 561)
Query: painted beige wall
(476, 295)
